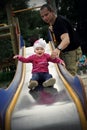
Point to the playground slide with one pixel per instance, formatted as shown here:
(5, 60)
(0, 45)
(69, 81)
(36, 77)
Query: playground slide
(55, 108)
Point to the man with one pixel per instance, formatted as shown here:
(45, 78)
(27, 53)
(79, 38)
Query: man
(66, 48)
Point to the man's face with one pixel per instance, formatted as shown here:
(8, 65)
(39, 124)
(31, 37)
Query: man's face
(46, 15)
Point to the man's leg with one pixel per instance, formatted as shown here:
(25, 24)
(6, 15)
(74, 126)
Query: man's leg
(70, 59)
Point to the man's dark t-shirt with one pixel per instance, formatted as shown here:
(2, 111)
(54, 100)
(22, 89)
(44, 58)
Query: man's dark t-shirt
(61, 26)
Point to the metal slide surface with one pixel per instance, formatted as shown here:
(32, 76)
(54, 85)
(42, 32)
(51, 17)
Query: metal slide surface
(46, 108)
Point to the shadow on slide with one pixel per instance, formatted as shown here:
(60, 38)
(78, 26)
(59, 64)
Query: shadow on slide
(48, 95)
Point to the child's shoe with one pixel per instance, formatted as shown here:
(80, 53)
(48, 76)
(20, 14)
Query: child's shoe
(49, 82)
(33, 84)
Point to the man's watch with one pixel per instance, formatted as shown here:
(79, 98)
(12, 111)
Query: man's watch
(59, 48)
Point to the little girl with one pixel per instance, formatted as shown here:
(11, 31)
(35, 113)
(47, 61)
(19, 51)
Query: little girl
(39, 60)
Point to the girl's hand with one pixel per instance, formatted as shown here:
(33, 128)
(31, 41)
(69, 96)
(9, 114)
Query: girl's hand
(15, 57)
(62, 63)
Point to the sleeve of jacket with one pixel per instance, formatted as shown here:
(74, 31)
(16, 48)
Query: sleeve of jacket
(54, 60)
(25, 59)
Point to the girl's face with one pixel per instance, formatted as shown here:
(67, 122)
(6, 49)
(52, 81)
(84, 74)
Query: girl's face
(39, 51)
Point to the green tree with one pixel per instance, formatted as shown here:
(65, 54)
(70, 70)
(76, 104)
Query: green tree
(69, 9)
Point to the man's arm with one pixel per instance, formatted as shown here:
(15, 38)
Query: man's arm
(65, 41)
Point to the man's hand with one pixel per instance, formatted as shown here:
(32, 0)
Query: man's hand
(55, 53)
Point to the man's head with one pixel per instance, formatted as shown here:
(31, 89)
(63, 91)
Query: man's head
(48, 7)
(47, 14)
